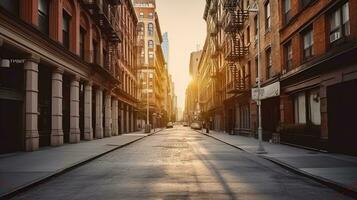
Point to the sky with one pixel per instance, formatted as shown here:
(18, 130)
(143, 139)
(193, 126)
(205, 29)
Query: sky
(183, 20)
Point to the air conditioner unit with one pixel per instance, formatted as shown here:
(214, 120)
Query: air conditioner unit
(335, 36)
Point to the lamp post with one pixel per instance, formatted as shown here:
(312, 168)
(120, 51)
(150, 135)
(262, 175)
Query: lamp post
(147, 125)
(260, 149)
(154, 121)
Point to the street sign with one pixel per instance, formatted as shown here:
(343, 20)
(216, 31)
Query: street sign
(266, 92)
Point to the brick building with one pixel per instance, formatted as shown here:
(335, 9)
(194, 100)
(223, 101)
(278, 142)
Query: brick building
(152, 67)
(67, 71)
(319, 73)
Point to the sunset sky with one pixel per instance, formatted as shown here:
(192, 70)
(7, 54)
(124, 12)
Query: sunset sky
(183, 20)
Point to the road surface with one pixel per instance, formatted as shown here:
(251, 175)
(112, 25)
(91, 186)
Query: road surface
(179, 164)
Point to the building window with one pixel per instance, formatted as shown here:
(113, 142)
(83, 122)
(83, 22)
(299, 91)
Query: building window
(267, 16)
(95, 52)
(308, 43)
(340, 23)
(43, 17)
(307, 108)
(248, 35)
(151, 15)
(65, 29)
(11, 6)
(287, 11)
(106, 59)
(151, 55)
(82, 37)
(141, 15)
(288, 55)
(151, 44)
(151, 29)
(269, 63)
(256, 67)
(300, 108)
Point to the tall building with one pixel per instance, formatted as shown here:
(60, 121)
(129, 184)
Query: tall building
(152, 67)
(67, 71)
(191, 112)
(166, 47)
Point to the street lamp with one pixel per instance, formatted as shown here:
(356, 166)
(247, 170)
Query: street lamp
(147, 126)
(154, 121)
(260, 149)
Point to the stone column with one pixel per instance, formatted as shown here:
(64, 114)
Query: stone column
(122, 118)
(75, 132)
(132, 119)
(115, 130)
(31, 105)
(57, 97)
(88, 129)
(99, 114)
(127, 119)
(108, 115)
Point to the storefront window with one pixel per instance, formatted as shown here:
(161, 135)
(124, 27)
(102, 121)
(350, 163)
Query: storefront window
(300, 108)
(307, 107)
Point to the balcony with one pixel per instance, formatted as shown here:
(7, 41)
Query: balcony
(104, 12)
(214, 51)
(213, 7)
(213, 30)
(235, 50)
(234, 20)
(238, 84)
(230, 4)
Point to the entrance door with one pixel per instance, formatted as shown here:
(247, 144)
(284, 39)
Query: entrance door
(10, 126)
(270, 116)
(342, 120)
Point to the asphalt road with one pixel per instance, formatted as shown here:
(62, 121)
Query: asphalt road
(179, 164)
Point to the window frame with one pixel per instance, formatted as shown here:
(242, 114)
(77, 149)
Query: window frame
(43, 17)
(66, 33)
(269, 63)
(344, 28)
(267, 11)
(288, 54)
(310, 48)
(82, 42)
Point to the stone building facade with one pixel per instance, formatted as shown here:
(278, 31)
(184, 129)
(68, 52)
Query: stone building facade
(67, 71)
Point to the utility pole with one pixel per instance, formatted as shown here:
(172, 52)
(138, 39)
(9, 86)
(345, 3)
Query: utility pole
(260, 149)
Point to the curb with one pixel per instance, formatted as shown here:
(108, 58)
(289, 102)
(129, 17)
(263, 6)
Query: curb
(343, 189)
(59, 172)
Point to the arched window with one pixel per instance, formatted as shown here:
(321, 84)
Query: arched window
(151, 44)
(151, 29)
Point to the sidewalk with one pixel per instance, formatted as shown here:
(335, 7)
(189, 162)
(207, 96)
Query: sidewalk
(336, 170)
(24, 169)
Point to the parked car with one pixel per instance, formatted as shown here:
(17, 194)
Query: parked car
(185, 124)
(196, 126)
(170, 125)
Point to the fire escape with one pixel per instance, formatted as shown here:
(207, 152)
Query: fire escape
(105, 13)
(213, 30)
(235, 49)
